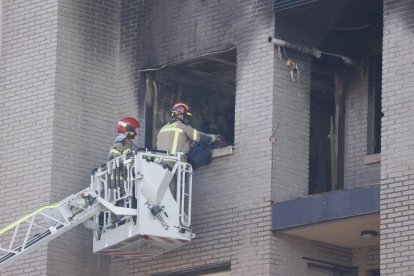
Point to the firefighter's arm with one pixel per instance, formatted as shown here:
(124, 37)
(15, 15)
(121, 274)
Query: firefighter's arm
(200, 137)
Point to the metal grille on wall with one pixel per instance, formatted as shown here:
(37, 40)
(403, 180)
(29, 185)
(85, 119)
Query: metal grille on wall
(288, 6)
(219, 269)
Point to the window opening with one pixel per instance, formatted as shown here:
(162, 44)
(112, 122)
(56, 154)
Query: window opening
(326, 129)
(207, 84)
(321, 268)
(373, 272)
(374, 104)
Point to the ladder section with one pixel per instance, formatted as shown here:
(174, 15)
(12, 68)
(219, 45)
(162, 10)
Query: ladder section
(46, 223)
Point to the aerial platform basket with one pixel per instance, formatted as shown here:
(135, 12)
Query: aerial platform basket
(137, 205)
(162, 218)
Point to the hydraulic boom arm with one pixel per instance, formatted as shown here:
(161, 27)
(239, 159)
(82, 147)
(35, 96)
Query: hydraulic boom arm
(137, 206)
(47, 223)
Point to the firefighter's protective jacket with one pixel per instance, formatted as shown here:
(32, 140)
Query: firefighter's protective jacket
(120, 147)
(176, 137)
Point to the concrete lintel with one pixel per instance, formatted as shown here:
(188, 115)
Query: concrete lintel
(325, 207)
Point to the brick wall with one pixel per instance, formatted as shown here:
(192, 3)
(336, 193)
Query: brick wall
(291, 118)
(291, 153)
(84, 118)
(357, 174)
(27, 85)
(291, 149)
(128, 78)
(231, 211)
(73, 70)
(297, 253)
(397, 154)
(366, 258)
(58, 73)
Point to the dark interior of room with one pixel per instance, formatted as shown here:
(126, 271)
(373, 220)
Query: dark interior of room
(207, 84)
(351, 28)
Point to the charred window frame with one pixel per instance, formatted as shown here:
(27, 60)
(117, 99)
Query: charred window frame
(374, 104)
(327, 127)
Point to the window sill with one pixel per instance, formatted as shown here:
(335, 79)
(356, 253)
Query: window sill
(222, 151)
(372, 159)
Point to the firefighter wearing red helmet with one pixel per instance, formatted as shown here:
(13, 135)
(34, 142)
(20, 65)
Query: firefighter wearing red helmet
(123, 144)
(177, 135)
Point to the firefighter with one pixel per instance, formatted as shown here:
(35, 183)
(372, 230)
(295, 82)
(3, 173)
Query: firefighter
(177, 135)
(127, 130)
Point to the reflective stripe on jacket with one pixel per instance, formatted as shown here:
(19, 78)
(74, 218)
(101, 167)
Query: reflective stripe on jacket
(120, 148)
(176, 137)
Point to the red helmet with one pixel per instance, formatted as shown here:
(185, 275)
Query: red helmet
(180, 108)
(127, 125)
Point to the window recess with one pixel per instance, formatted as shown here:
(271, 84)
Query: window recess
(207, 83)
(322, 268)
(374, 105)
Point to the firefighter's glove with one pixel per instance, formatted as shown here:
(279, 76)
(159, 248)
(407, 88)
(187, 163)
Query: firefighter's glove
(213, 138)
(220, 142)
